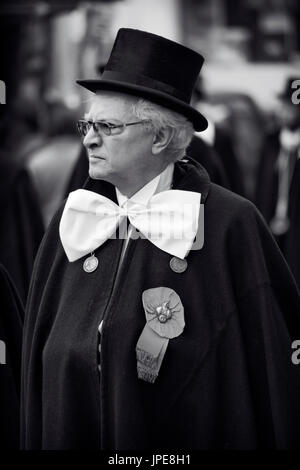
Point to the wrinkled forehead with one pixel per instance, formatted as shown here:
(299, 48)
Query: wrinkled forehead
(111, 105)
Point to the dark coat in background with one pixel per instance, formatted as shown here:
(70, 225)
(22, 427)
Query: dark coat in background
(223, 146)
(226, 382)
(80, 172)
(22, 225)
(266, 198)
(205, 154)
(11, 324)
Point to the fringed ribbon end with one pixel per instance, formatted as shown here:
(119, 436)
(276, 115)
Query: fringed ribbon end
(146, 358)
(146, 374)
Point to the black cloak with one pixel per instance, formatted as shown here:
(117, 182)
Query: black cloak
(11, 324)
(226, 382)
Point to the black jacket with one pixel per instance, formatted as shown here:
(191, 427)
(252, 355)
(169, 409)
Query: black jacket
(226, 382)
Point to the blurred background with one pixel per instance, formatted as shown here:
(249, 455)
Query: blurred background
(250, 47)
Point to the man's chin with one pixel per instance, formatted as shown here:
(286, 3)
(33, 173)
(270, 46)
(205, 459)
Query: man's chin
(95, 175)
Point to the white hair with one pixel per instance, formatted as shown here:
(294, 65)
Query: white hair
(161, 117)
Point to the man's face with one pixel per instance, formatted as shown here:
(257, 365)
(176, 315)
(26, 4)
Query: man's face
(289, 114)
(116, 157)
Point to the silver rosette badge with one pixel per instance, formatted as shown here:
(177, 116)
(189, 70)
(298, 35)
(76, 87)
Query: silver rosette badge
(165, 320)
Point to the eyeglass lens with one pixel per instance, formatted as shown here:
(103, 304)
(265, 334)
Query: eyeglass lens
(84, 127)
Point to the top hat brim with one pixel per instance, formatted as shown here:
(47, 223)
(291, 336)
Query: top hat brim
(198, 120)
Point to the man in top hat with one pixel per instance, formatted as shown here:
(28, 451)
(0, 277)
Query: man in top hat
(198, 150)
(278, 182)
(138, 336)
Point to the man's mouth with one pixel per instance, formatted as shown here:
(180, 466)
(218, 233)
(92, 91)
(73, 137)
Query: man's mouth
(96, 156)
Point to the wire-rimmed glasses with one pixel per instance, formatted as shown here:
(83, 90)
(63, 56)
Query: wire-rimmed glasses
(103, 127)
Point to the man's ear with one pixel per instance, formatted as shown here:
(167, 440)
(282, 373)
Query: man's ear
(162, 139)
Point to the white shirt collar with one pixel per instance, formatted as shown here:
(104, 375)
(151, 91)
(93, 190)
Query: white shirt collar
(289, 140)
(161, 182)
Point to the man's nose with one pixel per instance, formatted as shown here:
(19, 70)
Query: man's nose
(92, 139)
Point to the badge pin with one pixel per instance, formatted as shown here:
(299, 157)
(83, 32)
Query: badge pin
(90, 264)
(178, 265)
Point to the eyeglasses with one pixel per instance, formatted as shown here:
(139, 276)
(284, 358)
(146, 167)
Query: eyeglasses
(102, 127)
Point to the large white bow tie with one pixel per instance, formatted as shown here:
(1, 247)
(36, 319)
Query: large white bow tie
(169, 221)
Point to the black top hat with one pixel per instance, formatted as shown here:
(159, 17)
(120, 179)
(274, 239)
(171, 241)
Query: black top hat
(155, 68)
(286, 93)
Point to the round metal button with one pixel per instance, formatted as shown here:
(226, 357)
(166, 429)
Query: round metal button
(90, 264)
(178, 265)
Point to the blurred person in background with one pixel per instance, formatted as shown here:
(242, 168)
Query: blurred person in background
(218, 138)
(80, 172)
(204, 153)
(11, 326)
(51, 163)
(145, 338)
(38, 154)
(244, 123)
(278, 177)
(22, 225)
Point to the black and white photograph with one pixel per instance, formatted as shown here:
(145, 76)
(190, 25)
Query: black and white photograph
(150, 228)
